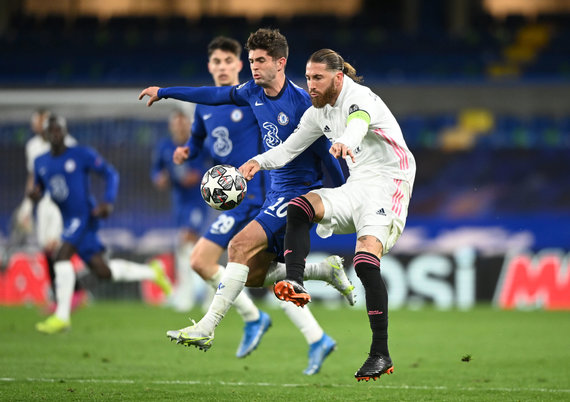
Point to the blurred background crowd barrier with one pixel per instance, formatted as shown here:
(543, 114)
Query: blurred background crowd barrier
(481, 89)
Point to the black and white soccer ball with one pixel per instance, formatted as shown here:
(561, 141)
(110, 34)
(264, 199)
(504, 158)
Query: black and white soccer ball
(223, 187)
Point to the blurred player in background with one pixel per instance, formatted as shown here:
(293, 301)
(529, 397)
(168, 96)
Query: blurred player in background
(48, 218)
(190, 211)
(257, 244)
(374, 201)
(231, 135)
(64, 172)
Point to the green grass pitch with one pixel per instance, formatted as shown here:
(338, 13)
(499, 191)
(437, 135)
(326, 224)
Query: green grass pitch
(119, 351)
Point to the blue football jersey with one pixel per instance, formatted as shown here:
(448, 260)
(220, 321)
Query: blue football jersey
(66, 177)
(277, 117)
(230, 135)
(162, 160)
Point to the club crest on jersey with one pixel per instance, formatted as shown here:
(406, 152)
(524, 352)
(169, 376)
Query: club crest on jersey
(282, 119)
(353, 108)
(69, 165)
(236, 115)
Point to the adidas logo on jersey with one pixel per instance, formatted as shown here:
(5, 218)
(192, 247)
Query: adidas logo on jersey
(381, 212)
(327, 129)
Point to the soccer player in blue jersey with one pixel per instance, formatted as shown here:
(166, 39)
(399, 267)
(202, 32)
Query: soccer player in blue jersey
(277, 105)
(64, 173)
(231, 135)
(190, 212)
(48, 224)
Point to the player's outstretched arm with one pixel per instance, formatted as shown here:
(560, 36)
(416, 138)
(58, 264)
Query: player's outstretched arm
(180, 155)
(152, 93)
(249, 169)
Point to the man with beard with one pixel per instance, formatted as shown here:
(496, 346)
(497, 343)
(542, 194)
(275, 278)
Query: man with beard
(372, 203)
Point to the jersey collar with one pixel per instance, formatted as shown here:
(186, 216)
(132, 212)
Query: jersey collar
(285, 85)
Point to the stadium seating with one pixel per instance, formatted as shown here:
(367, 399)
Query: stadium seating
(86, 51)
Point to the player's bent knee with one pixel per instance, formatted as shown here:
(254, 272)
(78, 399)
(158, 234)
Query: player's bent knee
(198, 264)
(239, 251)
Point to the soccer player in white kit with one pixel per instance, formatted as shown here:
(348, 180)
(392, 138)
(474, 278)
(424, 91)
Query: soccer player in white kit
(372, 203)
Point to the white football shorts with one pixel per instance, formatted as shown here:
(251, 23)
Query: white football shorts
(49, 224)
(376, 208)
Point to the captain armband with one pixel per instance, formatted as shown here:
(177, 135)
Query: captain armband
(358, 114)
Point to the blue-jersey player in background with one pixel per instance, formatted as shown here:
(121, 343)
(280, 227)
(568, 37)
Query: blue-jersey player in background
(278, 105)
(189, 210)
(64, 173)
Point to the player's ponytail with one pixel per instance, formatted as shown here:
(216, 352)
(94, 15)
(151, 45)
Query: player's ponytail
(334, 62)
(350, 71)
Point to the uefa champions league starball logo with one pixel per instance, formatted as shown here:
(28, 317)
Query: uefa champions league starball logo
(223, 187)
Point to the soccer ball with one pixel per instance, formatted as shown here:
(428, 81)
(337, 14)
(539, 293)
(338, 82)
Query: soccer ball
(223, 187)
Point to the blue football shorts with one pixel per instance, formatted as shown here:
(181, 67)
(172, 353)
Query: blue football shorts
(229, 223)
(191, 216)
(273, 218)
(81, 232)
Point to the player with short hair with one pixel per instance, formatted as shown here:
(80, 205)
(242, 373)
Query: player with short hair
(374, 201)
(190, 212)
(64, 172)
(231, 135)
(277, 105)
(48, 221)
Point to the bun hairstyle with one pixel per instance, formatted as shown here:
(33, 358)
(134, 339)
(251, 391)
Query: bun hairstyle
(334, 62)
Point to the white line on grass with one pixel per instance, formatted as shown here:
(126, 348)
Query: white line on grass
(267, 384)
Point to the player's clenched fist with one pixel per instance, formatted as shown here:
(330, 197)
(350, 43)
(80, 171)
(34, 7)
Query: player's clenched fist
(249, 169)
(180, 155)
(152, 93)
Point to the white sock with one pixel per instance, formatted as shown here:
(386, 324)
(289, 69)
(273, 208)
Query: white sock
(275, 272)
(64, 284)
(243, 303)
(231, 284)
(216, 278)
(128, 271)
(183, 294)
(304, 320)
(319, 271)
(313, 271)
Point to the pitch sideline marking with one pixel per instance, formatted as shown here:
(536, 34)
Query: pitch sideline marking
(267, 384)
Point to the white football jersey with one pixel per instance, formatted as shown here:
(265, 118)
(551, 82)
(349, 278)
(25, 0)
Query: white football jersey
(380, 151)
